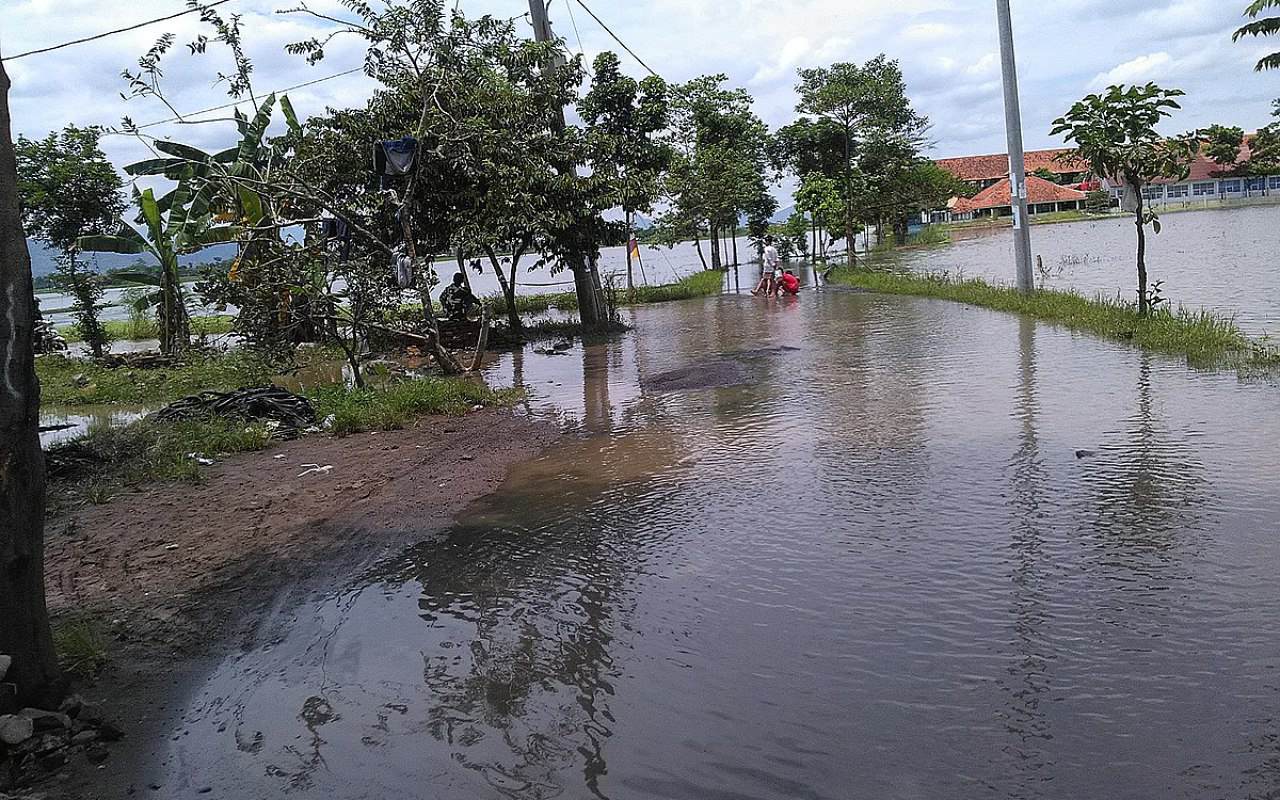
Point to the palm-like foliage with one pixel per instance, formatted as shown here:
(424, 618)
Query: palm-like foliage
(1264, 26)
(215, 201)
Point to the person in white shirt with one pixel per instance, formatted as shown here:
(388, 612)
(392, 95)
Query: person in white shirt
(768, 270)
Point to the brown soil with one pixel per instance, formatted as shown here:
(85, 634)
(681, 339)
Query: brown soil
(177, 573)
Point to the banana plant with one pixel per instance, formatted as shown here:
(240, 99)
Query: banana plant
(214, 202)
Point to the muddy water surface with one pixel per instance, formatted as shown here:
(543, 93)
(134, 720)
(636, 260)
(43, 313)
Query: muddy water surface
(930, 552)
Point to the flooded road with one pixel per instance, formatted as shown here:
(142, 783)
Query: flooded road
(846, 546)
(1219, 259)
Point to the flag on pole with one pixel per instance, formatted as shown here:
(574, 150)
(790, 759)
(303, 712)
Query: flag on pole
(633, 247)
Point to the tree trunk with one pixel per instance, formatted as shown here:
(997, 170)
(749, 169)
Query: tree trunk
(24, 619)
(735, 244)
(508, 289)
(1143, 307)
(584, 285)
(462, 270)
(715, 248)
(697, 243)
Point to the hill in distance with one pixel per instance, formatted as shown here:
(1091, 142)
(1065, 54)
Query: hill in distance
(43, 260)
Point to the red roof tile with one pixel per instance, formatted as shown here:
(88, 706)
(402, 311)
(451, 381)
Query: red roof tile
(1204, 169)
(985, 168)
(998, 195)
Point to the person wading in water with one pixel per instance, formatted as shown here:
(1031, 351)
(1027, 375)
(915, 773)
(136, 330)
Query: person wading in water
(768, 270)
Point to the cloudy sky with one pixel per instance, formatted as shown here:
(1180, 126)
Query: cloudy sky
(948, 51)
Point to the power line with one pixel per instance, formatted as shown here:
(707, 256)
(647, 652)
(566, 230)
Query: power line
(238, 102)
(614, 36)
(113, 33)
(569, 7)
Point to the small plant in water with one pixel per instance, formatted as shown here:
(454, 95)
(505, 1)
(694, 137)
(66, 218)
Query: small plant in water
(1155, 298)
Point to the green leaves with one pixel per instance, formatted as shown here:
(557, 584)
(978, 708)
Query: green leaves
(1267, 26)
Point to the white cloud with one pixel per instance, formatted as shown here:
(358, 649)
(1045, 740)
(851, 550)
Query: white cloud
(1139, 70)
(947, 48)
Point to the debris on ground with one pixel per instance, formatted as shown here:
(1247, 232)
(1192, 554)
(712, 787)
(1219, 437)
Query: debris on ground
(36, 742)
(291, 413)
(316, 469)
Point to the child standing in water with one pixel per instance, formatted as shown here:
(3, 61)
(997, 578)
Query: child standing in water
(768, 269)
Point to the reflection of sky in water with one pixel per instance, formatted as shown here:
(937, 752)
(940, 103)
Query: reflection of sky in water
(875, 568)
(1223, 260)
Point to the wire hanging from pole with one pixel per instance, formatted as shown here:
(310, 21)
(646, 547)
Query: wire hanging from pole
(238, 102)
(614, 36)
(569, 7)
(105, 34)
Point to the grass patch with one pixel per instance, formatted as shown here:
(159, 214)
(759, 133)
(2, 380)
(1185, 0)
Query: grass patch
(1204, 338)
(143, 451)
(929, 236)
(391, 407)
(66, 381)
(81, 644)
(136, 330)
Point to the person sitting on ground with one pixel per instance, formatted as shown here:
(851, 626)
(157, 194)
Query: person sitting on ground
(768, 270)
(457, 300)
(788, 284)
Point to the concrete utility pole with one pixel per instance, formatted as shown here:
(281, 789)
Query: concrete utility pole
(1017, 161)
(585, 277)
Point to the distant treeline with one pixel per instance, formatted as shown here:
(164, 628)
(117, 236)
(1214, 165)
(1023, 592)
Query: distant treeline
(120, 277)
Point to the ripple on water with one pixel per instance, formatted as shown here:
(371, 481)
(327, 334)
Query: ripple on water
(876, 568)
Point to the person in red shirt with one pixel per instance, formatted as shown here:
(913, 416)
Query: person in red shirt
(788, 284)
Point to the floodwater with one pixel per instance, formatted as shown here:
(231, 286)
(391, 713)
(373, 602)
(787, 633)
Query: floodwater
(1223, 260)
(845, 546)
(657, 266)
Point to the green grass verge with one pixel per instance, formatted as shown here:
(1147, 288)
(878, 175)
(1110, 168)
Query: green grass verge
(393, 406)
(107, 458)
(1205, 339)
(123, 330)
(66, 381)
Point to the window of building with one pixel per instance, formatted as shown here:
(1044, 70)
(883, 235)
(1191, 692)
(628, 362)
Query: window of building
(1179, 190)
(1155, 192)
(1203, 189)
(1256, 184)
(1231, 187)
(1274, 182)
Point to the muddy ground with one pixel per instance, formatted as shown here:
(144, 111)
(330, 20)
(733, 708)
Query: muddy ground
(180, 575)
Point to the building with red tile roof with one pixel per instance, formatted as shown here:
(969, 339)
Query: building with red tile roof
(1042, 197)
(985, 171)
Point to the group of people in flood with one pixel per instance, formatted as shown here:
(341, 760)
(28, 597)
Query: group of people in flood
(775, 282)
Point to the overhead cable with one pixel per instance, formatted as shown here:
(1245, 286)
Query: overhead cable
(614, 36)
(105, 34)
(238, 102)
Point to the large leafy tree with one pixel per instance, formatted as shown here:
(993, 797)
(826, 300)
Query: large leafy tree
(24, 618)
(1115, 133)
(868, 103)
(1262, 26)
(624, 119)
(68, 189)
(720, 157)
(1222, 144)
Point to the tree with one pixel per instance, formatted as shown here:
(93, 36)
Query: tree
(68, 189)
(1046, 174)
(1266, 26)
(720, 156)
(623, 120)
(870, 105)
(1115, 133)
(24, 618)
(1222, 145)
